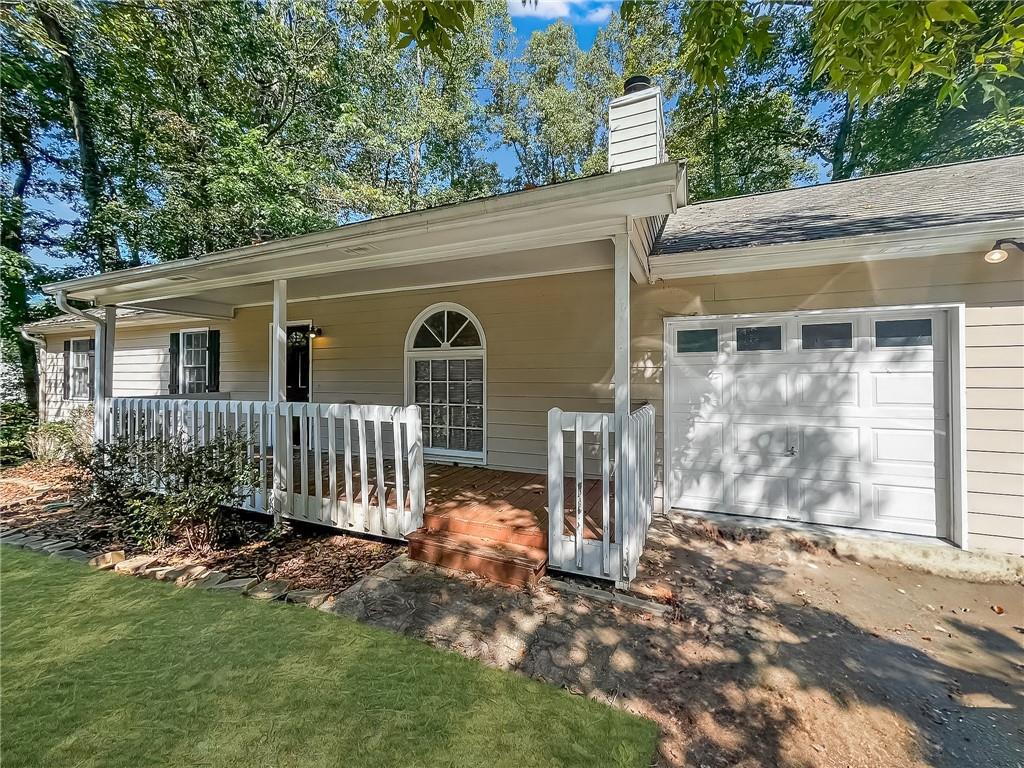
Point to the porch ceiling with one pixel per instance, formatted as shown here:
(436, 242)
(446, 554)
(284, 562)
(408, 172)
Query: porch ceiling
(538, 231)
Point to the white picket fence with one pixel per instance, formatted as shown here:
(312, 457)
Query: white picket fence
(618, 532)
(354, 467)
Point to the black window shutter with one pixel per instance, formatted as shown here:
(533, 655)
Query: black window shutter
(213, 361)
(92, 369)
(172, 378)
(67, 369)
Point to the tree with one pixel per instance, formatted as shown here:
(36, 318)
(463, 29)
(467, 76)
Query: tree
(549, 104)
(746, 129)
(415, 133)
(31, 109)
(866, 49)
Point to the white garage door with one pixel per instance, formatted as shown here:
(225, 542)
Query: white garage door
(838, 419)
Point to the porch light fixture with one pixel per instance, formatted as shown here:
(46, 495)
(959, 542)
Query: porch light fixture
(998, 253)
(316, 331)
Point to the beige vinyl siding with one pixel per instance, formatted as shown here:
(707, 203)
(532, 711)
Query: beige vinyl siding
(549, 343)
(994, 295)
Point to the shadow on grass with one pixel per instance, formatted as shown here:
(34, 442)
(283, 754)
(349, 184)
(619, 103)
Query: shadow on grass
(100, 669)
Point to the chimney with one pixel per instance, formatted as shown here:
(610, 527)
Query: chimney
(636, 126)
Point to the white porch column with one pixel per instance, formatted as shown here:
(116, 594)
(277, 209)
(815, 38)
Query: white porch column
(623, 462)
(279, 394)
(103, 365)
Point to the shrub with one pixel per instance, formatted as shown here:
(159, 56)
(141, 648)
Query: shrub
(51, 442)
(16, 421)
(158, 488)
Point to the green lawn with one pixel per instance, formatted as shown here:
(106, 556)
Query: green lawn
(106, 670)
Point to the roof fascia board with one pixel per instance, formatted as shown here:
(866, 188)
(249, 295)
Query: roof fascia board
(928, 241)
(607, 188)
(576, 233)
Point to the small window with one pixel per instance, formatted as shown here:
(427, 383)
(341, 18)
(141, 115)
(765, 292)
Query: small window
(903, 333)
(446, 329)
(827, 336)
(79, 369)
(194, 357)
(766, 338)
(697, 340)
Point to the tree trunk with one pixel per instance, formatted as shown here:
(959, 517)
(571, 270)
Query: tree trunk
(82, 123)
(15, 288)
(716, 147)
(841, 168)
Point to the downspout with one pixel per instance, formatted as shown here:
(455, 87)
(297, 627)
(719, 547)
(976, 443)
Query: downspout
(40, 345)
(99, 364)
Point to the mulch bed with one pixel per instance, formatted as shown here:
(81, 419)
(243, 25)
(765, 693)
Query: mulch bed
(309, 556)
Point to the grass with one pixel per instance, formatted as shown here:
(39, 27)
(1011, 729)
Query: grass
(99, 669)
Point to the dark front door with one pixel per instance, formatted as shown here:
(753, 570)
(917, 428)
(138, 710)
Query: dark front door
(298, 364)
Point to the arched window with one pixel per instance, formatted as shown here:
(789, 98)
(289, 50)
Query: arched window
(445, 366)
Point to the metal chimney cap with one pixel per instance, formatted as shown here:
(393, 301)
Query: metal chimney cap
(637, 83)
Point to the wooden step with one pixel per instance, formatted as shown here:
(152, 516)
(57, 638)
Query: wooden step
(502, 533)
(512, 564)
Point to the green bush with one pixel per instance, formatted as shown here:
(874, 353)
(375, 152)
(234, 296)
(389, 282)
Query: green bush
(16, 421)
(158, 489)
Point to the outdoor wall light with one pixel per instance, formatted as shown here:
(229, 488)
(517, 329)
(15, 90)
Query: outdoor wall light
(316, 331)
(998, 253)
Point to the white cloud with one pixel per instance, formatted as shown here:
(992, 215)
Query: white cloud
(599, 15)
(543, 9)
(586, 11)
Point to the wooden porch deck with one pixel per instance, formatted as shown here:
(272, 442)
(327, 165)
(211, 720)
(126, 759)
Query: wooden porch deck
(503, 505)
(500, 499)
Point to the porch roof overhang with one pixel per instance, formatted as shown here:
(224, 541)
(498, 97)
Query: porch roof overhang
(509, 235)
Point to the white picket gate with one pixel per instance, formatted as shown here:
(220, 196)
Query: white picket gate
(354, 467)
(620, 531)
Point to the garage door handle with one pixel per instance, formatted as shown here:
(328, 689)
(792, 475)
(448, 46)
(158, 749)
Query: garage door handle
(791, 451)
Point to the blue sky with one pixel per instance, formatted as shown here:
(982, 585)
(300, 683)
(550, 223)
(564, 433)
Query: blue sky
(586, 16)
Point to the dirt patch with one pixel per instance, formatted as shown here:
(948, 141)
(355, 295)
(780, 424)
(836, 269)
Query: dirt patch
(310, 557)
(771, 655)
(794, 656)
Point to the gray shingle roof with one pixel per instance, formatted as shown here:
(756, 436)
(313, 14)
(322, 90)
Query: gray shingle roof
(69, 322)
(980, 190)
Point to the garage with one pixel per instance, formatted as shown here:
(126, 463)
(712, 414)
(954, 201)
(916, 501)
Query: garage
(837, 418)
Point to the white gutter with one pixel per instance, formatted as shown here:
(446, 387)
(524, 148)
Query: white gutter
(40, 345)
(102, 365)
(61, 298)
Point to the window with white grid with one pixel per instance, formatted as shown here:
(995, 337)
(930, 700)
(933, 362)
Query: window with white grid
(79, 387)
(446, 368)
(194, 361)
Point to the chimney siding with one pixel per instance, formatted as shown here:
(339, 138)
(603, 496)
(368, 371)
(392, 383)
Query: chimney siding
(636, 130)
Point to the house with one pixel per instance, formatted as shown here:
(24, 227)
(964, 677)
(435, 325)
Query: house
(531, 376)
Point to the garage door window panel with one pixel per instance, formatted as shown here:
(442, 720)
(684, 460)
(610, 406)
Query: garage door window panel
(696, 341)
(759, 338)
(825, 336)
(915, 332)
